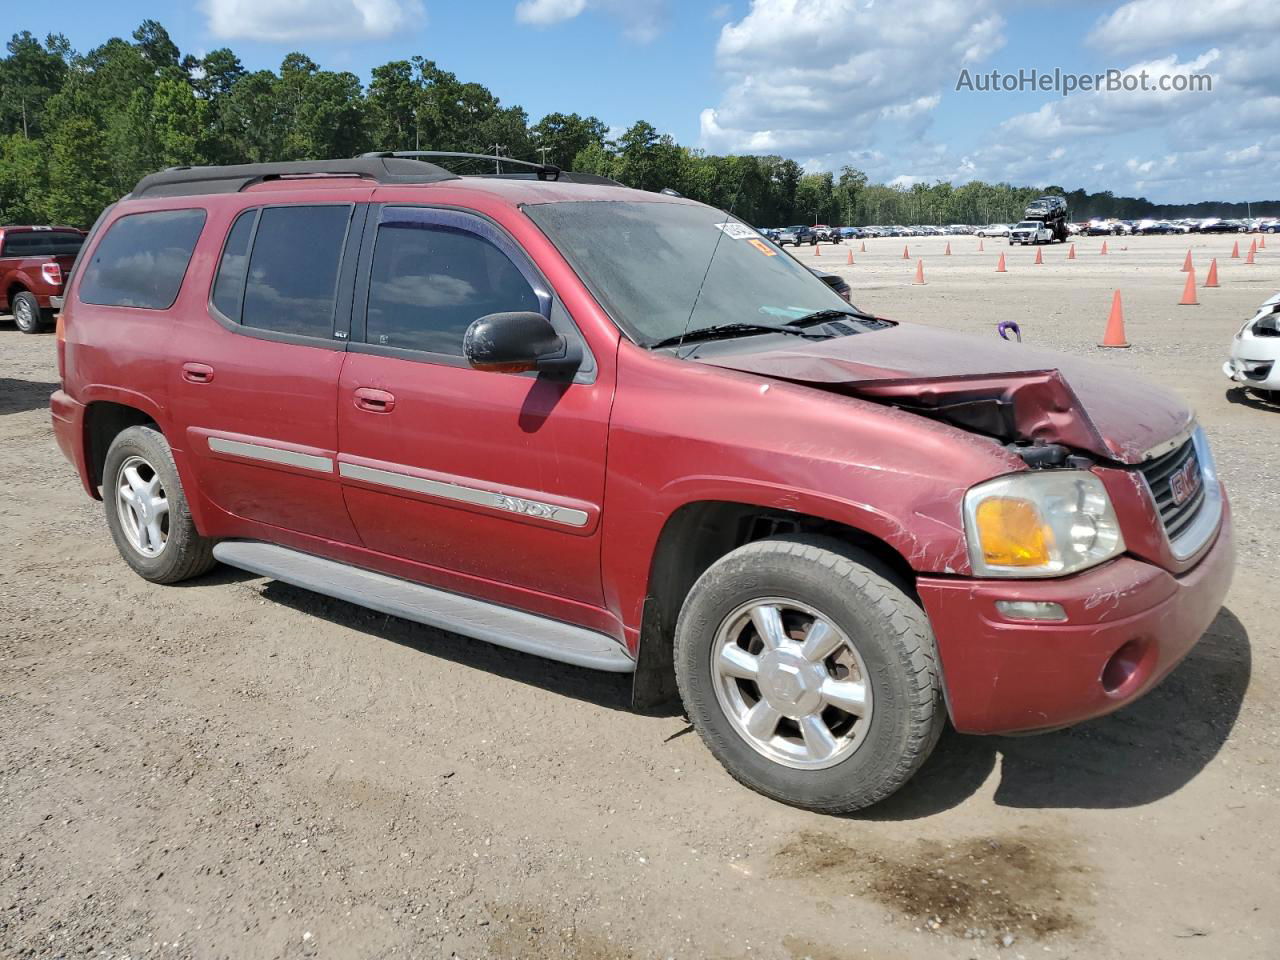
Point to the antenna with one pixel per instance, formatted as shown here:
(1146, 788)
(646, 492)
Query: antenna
(710, 260)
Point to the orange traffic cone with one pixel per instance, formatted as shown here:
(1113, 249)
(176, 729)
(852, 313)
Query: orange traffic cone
(851, 256)
(1235, 250)
(1104, 248)
(1071, 252)
(1039, 255)
(1212, 279)
(1249, 258)
(1189, 290)
(1262, 241)
(1114, 337)
(947, 252)
(1186, 264)
(905, 254)
(863, 248)
(981, 245)
(1000, 266)
(919, 273)
(817, 249)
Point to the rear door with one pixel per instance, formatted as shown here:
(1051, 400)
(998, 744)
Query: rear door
(255, 373)
(496, 479)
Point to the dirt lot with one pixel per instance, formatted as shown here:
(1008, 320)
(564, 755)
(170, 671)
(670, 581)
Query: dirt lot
(236, 768)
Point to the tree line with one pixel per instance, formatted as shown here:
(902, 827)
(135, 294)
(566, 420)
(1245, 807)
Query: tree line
(77, 131)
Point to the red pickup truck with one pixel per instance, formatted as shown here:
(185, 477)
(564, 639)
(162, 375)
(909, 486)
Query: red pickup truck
(622, 430)
(33, 264)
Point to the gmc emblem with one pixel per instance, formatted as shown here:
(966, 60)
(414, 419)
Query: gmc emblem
(1185, 481)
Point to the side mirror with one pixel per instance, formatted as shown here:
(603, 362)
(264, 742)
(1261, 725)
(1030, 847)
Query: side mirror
(519, 342)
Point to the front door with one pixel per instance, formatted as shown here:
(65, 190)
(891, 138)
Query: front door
(495, 480)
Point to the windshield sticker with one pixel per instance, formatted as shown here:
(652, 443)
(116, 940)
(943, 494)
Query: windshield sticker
(737, 231)
(762, 246)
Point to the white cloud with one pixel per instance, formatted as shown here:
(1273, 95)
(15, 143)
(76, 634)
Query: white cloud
(1161, 24)
(545, 12)
(802, 74)
(289, 20)
(642, 20)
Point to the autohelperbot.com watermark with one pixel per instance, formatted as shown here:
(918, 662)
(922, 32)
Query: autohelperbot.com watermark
(1066, 83)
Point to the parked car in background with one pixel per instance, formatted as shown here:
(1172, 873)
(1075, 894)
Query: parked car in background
(796, 236)
(34, 261)
(1030, 232)
(769, 233)
(1159, 228)
(1255, 351)
(1099, 227)
(826, 233)
(838, 536)
(1270, 226)
(1215, 225)
(850, 233)
(994, 230)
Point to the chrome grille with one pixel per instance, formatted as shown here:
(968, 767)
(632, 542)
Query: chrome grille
(1159, 474)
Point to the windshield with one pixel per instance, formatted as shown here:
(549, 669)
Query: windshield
(1028, 225)
(646, 262)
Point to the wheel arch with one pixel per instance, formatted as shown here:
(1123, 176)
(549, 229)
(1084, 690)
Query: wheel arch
(693, 537)
(104, 420)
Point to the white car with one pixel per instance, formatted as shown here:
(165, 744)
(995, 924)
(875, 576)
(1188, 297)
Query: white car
(994, 230)
(1030, 231)
(1255, 351)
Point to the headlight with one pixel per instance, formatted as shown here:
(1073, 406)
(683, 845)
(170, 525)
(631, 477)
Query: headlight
(1040, 524)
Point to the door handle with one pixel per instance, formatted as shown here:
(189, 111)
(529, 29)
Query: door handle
(374, 401)
(197, 372)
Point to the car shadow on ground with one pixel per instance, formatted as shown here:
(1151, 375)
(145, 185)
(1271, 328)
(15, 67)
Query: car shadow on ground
(609, 690)
(19, 396)
(1250, 398)
(1144, 752)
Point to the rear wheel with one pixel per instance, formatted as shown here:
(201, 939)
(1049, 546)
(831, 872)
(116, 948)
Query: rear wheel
(147, 509)
(27, 314)
(809, 672)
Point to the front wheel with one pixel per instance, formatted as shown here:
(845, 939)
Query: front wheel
(809, 672)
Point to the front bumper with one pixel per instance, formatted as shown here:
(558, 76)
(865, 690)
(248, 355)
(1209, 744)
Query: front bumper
(1261, 374)
(1125, 619)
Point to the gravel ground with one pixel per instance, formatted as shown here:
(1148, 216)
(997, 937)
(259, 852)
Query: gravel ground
(236, 768)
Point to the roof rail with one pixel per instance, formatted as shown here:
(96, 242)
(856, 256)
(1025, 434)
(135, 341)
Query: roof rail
(545, 171)
(189, 181)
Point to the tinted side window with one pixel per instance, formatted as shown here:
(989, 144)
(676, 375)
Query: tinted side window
(429, 282)
(142, 259)
(228, 288)
(293, 269)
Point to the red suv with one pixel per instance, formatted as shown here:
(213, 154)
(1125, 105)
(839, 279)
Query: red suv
(622, 430)
(32, 263)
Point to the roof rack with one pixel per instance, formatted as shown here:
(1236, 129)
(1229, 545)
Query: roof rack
(538, 171)
(382, 168)
(544, 171)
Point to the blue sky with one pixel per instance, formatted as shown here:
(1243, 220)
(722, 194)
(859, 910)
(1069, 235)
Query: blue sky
(828, 82)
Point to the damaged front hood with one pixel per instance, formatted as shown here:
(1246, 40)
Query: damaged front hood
(1006, 390)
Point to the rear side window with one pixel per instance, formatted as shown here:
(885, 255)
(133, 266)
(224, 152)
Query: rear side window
(429, 282)
(42, 243)
(142, 259)
(228, 288)
(292, 278)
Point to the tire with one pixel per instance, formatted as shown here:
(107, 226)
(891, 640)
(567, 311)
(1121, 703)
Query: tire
(883, 633)
(27, 314)
(182, 552)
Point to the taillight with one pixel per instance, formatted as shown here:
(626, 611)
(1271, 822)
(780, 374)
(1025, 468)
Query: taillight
(52, 273)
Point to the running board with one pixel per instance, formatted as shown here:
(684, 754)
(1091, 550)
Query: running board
(495, 624)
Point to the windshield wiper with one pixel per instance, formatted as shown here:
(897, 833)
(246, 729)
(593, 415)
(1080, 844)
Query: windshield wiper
(725, 331)
(821, 316)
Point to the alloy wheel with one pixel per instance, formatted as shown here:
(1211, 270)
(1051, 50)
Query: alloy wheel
(142, 506)
(792, 683)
